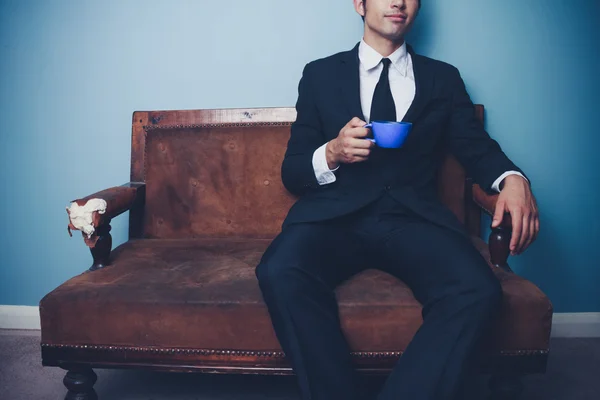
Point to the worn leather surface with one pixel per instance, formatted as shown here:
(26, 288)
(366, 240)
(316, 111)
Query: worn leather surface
(225, 181)
(203, 293)
(215, 182)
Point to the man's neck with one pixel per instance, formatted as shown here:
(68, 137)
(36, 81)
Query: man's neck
(383, 46)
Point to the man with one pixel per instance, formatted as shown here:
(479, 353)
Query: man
(362, 206)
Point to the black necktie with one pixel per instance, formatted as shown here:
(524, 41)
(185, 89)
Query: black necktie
(383, 107)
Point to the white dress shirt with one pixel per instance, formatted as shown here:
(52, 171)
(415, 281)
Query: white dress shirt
(402, 85)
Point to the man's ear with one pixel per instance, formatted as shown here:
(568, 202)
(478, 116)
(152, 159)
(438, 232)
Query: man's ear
(359, 6)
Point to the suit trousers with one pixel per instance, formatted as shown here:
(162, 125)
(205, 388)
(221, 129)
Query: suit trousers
(301, 268)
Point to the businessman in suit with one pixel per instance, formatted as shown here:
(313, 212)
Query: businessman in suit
(364, 206)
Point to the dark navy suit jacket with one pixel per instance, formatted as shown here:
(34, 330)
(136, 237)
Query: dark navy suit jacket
(443, 120)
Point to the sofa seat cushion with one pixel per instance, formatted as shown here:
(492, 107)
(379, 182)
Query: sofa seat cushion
(203, 294)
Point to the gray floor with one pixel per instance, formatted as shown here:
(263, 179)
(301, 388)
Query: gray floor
(573, 374)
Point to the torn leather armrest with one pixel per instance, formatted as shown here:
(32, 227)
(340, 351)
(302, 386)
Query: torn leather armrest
(106, 204)
(499, 240)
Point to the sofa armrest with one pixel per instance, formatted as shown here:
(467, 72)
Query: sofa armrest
(90, 213)
(499, 240)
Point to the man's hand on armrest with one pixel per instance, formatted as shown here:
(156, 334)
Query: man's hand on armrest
(516, 199)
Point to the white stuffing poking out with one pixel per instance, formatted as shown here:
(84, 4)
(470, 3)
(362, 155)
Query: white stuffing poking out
(81, 216)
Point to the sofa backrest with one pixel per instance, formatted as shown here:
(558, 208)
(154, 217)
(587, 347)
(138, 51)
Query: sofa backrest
(216, 173)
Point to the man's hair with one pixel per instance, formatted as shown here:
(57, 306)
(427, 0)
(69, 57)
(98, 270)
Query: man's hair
(365, 6)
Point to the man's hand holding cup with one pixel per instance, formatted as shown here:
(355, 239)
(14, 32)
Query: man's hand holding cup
(350, 145)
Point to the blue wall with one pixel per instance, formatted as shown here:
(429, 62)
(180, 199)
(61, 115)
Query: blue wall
(72, 72)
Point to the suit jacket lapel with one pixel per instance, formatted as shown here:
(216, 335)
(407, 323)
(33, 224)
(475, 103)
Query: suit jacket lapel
(424, 83)
(349, 82)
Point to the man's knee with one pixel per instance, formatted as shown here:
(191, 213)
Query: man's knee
(281, 267)
(280, 281)
(267, 279)
(277, 273)
(261, 272)
(265, 269)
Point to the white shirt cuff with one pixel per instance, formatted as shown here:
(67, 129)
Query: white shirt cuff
(322, 172)
(496, 184)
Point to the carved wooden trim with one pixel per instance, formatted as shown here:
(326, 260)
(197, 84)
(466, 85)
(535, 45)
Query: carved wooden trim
(138, 143)
(246, 353)
(220, 125)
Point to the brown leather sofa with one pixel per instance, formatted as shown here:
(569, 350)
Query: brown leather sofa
(204, 201)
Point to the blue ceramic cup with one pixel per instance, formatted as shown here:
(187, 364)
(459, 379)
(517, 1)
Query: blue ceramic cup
(389, 134)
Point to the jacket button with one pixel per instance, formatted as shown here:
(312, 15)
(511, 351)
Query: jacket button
(388, 187)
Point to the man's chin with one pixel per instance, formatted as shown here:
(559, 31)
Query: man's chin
(395, 37)
(395, 33)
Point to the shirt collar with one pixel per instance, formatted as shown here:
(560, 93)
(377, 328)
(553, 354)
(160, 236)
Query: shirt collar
(370, 58)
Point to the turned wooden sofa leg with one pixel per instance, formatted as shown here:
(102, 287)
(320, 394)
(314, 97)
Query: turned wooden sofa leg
(80, 383)
(505, 387)
(101, 251)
